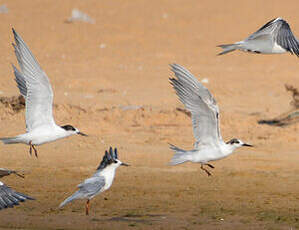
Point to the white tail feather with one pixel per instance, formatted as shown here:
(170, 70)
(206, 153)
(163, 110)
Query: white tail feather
(228, 48)
(10, 140)
(180, 156)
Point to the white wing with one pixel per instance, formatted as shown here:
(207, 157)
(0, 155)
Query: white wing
(265, 31)
(34, 85)
(199, 101)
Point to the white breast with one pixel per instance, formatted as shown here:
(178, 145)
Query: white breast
(44, 134)
(108, 173)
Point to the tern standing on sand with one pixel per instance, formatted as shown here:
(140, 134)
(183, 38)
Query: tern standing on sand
(35, 87)
(99, 182)
(197, 99)
(274, 37)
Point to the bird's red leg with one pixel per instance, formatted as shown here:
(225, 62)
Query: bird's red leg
(35, 151)
(211, 166)
(209, 174)
(87, 208)
(30, 150)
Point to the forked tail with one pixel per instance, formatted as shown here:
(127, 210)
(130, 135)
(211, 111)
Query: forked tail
(228, 48)
(10, 140)
(180, 156)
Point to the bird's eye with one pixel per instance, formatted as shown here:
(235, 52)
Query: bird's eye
(115, 162)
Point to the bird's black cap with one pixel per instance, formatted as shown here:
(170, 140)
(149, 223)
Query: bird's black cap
(108, 158)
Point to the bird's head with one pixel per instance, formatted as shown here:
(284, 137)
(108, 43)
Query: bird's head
(72, 130)
(236, 143)
(111, 159)
(116, 163)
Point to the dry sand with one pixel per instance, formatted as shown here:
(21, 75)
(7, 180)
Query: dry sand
(122, 59)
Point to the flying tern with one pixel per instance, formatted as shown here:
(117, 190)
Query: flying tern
(274, 37)
(209, 145)
(35, 87)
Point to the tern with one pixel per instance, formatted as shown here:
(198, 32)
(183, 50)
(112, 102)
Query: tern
(9, 197)
(99, 182)
(204, 110)
(35, 87)
(274, 37)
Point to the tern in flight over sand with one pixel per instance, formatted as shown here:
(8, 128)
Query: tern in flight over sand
(9, 197)
(35, 87)
(274, 37)
(197, 99)
(99, 182)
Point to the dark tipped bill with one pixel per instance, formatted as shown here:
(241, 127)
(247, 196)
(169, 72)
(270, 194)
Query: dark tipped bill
(124, 164)
(248, 145)
(82, 134)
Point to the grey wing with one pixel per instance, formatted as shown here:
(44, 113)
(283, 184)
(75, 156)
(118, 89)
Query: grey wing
(91, 186)
(10, 198)
(266, 31)
(286, 39)
(34, 85)
(199, 101)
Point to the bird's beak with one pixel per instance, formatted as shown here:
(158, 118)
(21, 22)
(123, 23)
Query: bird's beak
(82, 134)
(124, 164)
(247, 145)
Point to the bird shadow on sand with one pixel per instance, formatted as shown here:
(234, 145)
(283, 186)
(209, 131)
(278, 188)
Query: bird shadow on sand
(289, 117)
(146, 219)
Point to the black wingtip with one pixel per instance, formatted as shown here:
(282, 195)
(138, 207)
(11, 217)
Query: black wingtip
(115, 153)
(30, 198)
(173, 81)
(14, 32)
(109, 157)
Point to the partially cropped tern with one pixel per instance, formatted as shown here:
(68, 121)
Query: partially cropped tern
(7, 172)
(197, 99)
(99, 182)
(35, 87)
(9, 197)
(274, 37)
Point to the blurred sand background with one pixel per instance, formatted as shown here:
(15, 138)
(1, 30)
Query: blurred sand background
(98, 70)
